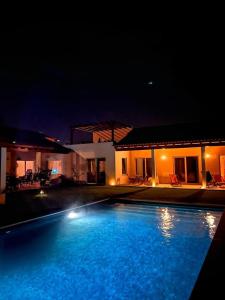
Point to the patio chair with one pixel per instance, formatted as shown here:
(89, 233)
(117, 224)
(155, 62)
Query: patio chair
(218, 180)
(174, 181)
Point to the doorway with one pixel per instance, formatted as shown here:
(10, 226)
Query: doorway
(91, 171)
(101, 171)
(186, 169)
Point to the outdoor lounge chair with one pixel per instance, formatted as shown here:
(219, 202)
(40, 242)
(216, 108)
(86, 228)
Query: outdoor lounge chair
(218, 180)
(174, 181)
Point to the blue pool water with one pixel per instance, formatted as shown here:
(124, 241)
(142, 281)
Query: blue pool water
(114, 251)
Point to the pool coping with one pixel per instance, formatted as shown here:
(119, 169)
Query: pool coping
(210, 281)
(172, 203)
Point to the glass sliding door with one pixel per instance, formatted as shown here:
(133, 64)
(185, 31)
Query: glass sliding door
(140, 167)
(192, 169)
(149, 167)
(186, 169)
(180, 168)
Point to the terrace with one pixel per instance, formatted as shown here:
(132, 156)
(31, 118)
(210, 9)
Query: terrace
(150, 156)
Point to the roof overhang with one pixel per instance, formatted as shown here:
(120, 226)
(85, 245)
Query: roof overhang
(175, 144)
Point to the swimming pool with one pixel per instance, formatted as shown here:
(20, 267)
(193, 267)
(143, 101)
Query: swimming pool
(107, 251)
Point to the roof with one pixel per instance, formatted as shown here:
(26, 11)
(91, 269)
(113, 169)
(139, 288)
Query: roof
(174, 135)
(13, 137)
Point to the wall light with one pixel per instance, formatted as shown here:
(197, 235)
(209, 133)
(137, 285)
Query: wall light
(163, 157)
(207, 155)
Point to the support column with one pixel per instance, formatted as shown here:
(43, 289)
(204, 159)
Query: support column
(3, 162)
(38, 161)
(153, 167)
(204, 183)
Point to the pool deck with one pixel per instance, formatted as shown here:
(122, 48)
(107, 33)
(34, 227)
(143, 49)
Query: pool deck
(24, 205)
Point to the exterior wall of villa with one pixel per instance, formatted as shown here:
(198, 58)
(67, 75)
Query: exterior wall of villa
(93, 151)
(215, 160)
(131, 163)
(14, 155)
(164, 159)
(41, 161)
(134, 154)
(64, 160)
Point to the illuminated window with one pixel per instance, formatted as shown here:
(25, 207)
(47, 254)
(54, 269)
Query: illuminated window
(124, 166)
(24, 166)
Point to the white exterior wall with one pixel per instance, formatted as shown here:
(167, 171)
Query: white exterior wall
(93, 151)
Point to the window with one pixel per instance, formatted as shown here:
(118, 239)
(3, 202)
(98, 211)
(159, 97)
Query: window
(124, 166)
(23, 166)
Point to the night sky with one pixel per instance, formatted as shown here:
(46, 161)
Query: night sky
(57, 73)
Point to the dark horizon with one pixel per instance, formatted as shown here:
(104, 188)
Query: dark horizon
(54, 74)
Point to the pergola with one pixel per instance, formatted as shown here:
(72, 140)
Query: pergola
(108, 131)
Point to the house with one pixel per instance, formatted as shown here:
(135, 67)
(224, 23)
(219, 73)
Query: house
(22, 150)
(118, 153)
(114, 153)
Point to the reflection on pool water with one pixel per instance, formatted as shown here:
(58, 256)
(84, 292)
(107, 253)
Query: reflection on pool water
(110, 251)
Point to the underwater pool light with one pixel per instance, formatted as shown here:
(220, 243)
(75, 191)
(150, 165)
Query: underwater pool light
(72, 215)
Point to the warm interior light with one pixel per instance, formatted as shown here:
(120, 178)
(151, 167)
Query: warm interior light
(207, 155)
(163, 157)
(72, 215)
